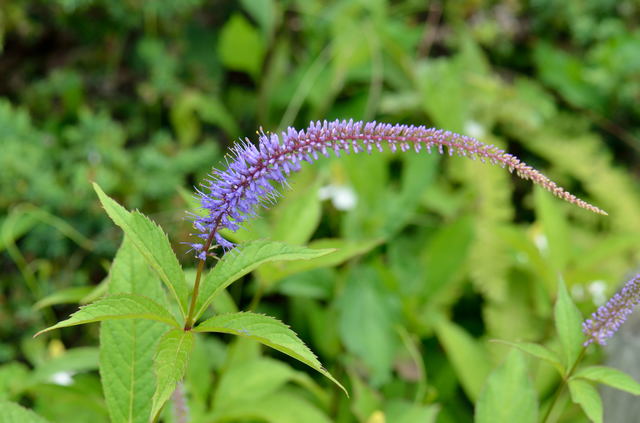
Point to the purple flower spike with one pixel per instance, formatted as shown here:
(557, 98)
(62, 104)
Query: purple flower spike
(606, 321)
(231, 196)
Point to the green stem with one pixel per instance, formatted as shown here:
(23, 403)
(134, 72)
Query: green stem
(190, 321)
(565, 378)
(257, 296)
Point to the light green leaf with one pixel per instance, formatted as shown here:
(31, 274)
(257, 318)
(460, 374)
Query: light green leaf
(270, 332)
(240, 47)
(79, 403)
(152, 243)
(13, 379)
(298, 216)
(366, 400)
(508, 395)
(469, 358)
(207, 361)
(17, 223)
(127, 347)
(213, 111)
(554, 225)
(443, 93)
(243, 260)
(400, 411)
(445, 256)
(374, 338)
(609, 376)
(279, 407)
(585, 395)
(64, 296)
(538, 351)
(568, 321)
(170, 364)
(251, 381)
(265, 12)
(72, 361)
(11, 412)
(97, 292)
(123, 306)
(344, 250)
(187, 124)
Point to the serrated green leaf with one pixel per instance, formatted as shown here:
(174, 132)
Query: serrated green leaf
(508, 395)
(243, 260)
(344, 250)
(97, 292)
(568, 321)
(127, 347)
(469, 358)
(123, 306)
(538, 351)
(170, 364)
(588, 398)
(609, 376)
(152, 243)
(270, 332)
(11, 412)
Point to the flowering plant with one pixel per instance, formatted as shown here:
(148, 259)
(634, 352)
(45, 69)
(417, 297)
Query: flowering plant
(140, 376)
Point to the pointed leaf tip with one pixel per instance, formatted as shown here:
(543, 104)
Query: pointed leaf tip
(122, 306)
(152, 243)
(246, 258)
(268, 331)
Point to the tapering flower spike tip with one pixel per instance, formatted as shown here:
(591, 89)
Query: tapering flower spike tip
(230, 196)
(606, 321)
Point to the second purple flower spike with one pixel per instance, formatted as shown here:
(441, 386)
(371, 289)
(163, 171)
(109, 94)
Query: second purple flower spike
(606, 321)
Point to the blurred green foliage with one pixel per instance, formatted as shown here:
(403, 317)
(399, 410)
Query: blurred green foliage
(437, 256)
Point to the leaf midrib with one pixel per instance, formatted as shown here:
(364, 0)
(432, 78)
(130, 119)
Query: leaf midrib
(133, 370)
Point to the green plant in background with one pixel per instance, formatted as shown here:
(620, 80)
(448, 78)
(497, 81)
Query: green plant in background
(233, 195)
(442, 257)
